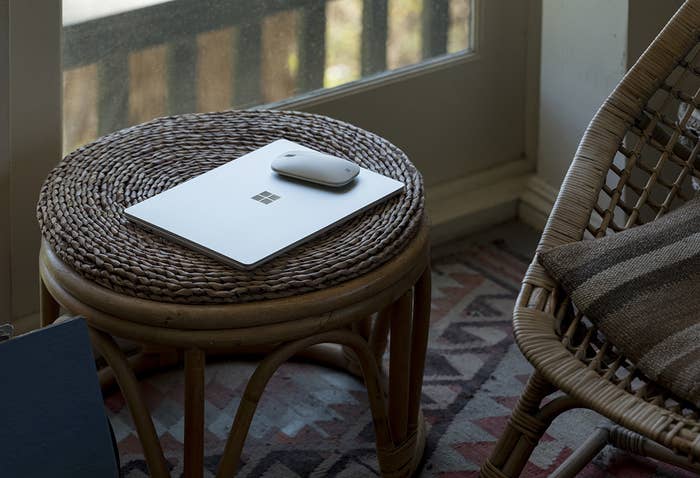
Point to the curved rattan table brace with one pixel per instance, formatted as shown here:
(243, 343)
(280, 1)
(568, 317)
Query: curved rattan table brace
(398, 290)
(634, 163)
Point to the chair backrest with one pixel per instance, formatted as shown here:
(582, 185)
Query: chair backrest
(635, 162)
(52, 417)
(638, 155)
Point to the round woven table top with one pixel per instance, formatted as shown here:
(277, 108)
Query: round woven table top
(80, 209)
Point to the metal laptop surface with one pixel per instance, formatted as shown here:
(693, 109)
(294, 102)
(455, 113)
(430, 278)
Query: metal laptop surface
(244, 214)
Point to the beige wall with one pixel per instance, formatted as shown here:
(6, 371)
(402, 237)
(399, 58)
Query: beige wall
(646, 19)
(587, 46)
(584, 55)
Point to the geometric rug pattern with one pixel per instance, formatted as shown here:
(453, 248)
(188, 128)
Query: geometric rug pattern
(313, 421)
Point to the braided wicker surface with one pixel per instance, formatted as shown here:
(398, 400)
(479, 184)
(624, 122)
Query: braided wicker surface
(81, 203)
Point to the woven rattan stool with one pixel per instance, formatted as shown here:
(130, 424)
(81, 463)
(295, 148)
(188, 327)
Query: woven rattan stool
(334, 299)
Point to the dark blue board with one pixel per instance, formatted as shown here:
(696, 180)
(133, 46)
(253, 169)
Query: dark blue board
(52, 418)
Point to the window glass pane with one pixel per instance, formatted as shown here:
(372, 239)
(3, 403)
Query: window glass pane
(148, 90)
(280, 57)
(215, 68)
(128, 61)
(460, 16)
(404, 39)
(343, 40)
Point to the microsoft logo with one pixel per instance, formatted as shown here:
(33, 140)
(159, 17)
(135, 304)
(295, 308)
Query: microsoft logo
(265, 197)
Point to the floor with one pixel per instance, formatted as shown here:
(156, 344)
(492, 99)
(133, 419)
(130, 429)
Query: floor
(314, 421)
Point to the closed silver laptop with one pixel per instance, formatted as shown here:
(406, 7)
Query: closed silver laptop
(245, 214)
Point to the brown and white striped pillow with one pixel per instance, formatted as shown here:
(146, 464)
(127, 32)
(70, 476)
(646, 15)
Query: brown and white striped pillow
(642, 288)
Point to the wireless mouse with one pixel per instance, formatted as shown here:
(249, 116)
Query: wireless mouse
(315, 167)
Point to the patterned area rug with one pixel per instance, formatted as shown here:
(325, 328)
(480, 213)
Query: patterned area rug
(315, 422)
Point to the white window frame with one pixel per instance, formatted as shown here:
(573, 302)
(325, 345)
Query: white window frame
(456, 117)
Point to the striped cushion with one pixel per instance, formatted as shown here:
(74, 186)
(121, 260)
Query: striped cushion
(642, 288)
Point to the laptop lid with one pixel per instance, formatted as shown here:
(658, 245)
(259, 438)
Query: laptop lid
(245, 214)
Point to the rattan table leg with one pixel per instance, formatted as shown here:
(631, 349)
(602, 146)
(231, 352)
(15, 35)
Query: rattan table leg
(113, 355)
(400, 356)
(419, 346)
(268, 366)
(49, 309)
(194, 413)
(379, 334)
(409, 317)
(363, 327)
(143, 363)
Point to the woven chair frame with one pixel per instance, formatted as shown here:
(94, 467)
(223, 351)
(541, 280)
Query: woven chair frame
(634, 163)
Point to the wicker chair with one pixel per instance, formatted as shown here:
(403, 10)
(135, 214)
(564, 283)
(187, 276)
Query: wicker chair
(634, 163)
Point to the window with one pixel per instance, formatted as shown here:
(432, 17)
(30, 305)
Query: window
(128, 61)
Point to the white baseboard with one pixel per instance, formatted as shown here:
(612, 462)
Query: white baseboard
(477, 201)
(536, 202)
(484, 199)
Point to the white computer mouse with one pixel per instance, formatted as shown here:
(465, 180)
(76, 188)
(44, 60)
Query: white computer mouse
(315, 167)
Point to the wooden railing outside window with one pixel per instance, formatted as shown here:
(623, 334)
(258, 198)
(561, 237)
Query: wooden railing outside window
(192, 55)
